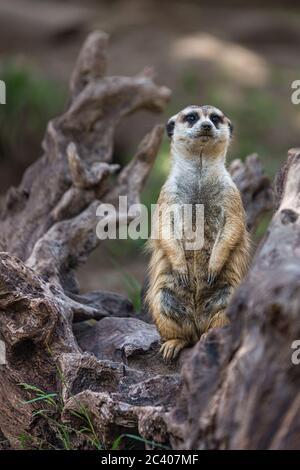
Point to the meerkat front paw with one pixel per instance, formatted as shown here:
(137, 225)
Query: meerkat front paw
(182, 278)
(171, 349)
(214, 268)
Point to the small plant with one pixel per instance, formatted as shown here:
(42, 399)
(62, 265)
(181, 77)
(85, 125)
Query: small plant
(65, 433)
(51, 412)
(88, 427)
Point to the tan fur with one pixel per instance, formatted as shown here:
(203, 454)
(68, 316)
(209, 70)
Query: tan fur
(182, 302)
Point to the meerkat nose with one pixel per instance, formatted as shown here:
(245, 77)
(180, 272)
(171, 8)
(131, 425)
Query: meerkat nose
(206, 126)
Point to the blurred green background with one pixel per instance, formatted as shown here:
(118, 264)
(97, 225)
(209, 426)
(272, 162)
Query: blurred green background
(239, 58)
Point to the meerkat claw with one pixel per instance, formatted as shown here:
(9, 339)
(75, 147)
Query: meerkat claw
(211, 279)
(171, 349)
(183, 279)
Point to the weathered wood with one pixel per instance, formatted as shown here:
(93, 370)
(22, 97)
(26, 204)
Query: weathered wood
(255, 188)
(48, 227)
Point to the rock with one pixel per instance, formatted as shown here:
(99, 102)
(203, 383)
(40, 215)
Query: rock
(127, 340)
(119, 338)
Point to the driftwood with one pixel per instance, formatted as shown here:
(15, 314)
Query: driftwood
(237, 387)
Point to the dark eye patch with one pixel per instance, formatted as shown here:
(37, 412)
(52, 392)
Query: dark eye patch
(216, 119)
(170, 128)
(191, 118)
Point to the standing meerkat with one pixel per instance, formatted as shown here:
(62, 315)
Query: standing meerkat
(189, 289)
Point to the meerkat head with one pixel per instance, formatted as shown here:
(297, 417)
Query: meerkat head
(198, 129)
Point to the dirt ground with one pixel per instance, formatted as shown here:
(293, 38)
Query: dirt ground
(242, 58)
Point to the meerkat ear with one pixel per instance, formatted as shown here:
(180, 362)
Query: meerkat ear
(230, 125)
(170, 126)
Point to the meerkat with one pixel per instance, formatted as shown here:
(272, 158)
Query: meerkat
(189, 289)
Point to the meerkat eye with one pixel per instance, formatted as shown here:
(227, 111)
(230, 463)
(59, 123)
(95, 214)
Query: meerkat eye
(191, 118)
(215, 119)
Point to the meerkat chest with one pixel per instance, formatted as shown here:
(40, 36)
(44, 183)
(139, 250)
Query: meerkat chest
(209, 192)
(206, 191)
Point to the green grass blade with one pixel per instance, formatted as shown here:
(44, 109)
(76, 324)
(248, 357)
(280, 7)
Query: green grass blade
(40, 398)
